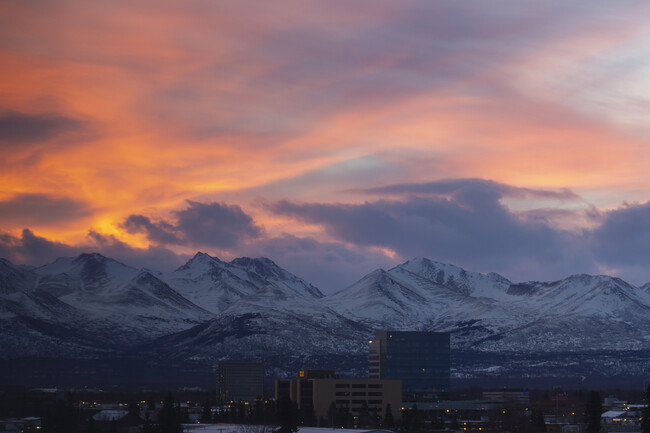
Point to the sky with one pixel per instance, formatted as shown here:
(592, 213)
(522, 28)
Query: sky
(333, 137)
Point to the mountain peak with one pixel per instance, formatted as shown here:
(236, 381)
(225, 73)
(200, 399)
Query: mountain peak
(419, 260)
(248, 261)
(84, 257)
(423, 262)
(97, 264)
(379, 275)
(264, 272)
(200, 256)
(199, 259)
(422, 265)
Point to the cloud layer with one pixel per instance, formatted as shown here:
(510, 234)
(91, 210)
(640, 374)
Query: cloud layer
(463, 222)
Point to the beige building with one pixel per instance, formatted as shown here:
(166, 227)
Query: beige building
(319, 393)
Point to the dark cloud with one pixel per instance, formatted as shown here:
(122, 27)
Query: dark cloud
(36, 250)
(216, 224)
(32, 249)
(467, 226)
(19, 129)
(153, 257)
(200, 224)
(159, 232)
(36, 209)
(469, 186)
(623, 238)
(464, 222)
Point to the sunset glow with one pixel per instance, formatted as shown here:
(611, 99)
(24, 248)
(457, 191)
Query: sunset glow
(305, 132)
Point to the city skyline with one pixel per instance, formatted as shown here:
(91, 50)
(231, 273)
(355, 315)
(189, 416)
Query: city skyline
(332, 138)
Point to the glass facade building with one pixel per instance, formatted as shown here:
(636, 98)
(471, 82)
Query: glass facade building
(239, 381)
(421, 360)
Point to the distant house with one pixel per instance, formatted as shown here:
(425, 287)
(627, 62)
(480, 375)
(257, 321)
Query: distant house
(621, 421)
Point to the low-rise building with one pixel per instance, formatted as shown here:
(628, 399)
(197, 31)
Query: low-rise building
(318, 392)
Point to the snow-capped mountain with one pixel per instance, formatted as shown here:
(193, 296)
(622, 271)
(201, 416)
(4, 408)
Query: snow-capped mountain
(208, 309)
(217, 285)
(92, 299)
(487, 312)
(263, 311)
(107, 305)
(425, 295)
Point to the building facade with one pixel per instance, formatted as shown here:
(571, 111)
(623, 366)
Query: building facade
(239, 381)
(318, 392)
(421, 360)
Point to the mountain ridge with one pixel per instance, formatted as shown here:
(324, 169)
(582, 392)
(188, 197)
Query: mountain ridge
(251, 308)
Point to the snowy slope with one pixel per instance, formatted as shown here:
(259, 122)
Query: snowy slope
(378, 297)
(90, 299)
(108, 292)
(216, 285)
(269, 277)
(285, 338)
(491, 286)
(13, 278)
(263, 312)
(421, 294)
(488, 312)
(646, 288)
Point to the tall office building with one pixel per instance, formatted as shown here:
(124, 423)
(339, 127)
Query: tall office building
(420, 359)
(239, 381)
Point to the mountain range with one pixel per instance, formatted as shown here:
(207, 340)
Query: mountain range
(90, 307)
